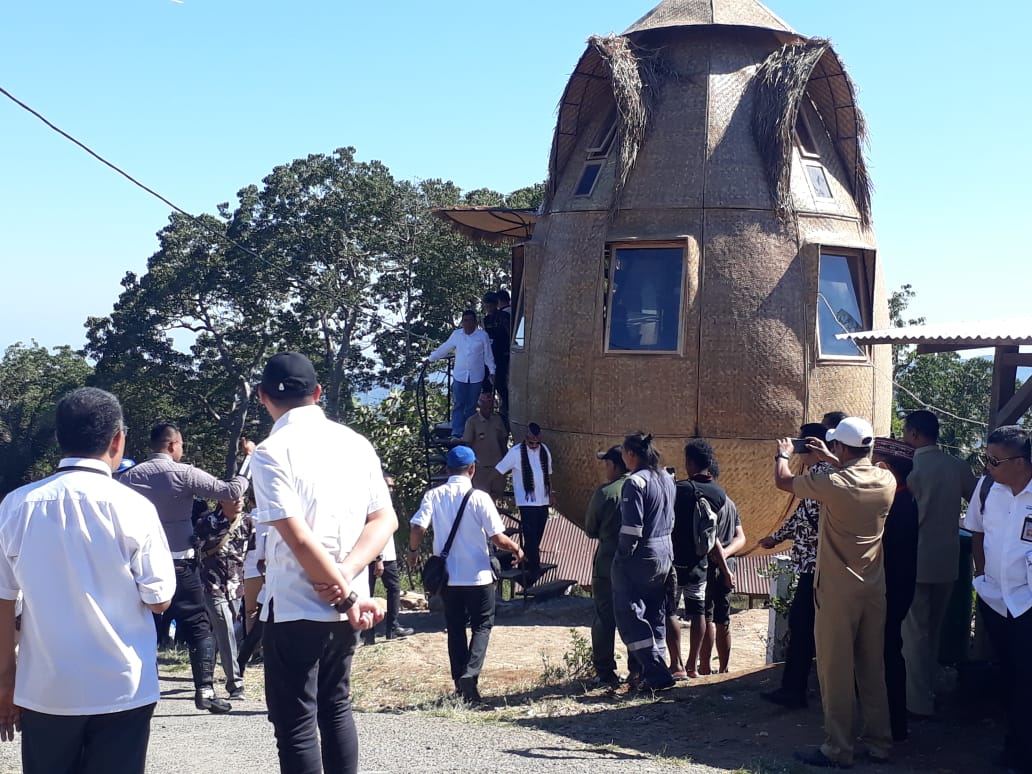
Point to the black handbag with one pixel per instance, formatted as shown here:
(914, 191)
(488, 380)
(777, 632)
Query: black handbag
(435, 570)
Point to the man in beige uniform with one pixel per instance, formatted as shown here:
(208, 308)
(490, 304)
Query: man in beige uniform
(849, 588)
(939, 482)
(486, 435)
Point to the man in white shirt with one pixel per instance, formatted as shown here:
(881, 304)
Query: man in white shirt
(320, 486)
(473, 356)
(530, 463)
(91, 561)
(1001, 542)
(470, 592)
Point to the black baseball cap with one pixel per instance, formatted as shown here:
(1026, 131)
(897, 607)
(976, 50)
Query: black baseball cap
(289, 375)
(613, 454)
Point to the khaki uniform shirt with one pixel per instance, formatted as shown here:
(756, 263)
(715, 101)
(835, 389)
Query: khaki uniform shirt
(488, 438)
(855, 501)
(938, 482)
(602, 521)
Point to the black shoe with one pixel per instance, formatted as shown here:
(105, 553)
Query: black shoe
(368, 638)
(662, 685)
(399, 632)
(213, 704)
(609, 680)
(783, 698)
(468, 690)
(238, 694)
(819, 760)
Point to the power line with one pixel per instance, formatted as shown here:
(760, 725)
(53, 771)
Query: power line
(200, 222)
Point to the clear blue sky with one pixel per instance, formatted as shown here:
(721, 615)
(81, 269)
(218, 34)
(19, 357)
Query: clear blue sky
(202, 97)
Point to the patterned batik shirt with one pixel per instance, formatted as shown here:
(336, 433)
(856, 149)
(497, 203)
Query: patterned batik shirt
(801, 529)
(222, 566)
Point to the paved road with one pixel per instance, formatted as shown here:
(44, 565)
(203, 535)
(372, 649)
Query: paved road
(184, 741)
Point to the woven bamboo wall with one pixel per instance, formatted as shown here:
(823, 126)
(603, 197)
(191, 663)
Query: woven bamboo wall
(747, 370)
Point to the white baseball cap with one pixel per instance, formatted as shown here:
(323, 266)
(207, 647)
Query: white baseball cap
(853, 431)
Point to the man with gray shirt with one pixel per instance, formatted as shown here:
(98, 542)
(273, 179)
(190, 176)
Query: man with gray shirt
(171, 486)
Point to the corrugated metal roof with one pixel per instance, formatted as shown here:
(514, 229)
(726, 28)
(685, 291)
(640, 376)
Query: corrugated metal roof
(564, 544)
(963, 335)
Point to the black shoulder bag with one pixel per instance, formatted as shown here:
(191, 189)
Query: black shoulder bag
(435, 569)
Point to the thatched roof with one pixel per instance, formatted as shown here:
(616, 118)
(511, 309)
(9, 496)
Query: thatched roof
(812, 69)
(490, 224)
(729, 13)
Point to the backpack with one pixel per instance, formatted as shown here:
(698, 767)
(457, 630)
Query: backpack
(705, 534)
(983, 490)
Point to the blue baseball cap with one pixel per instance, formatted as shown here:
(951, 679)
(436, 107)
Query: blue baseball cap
(460, 457)
(125, 464)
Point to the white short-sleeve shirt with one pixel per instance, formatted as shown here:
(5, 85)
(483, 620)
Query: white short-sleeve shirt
(1006, 524)
(327, 474)
(87, 554)
(513, 461)
(469, 560)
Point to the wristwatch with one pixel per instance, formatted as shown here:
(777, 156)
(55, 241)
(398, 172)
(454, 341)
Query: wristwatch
(349, 601)
(781, 456)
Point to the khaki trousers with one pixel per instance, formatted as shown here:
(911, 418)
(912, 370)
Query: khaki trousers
(921, 630)
(849, 634)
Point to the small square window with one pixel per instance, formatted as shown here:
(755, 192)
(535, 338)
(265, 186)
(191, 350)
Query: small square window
(588, 179)
(819, 181)
(604, 142)
(804, 138)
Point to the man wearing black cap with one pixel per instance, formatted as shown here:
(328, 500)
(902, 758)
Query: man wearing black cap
(602, 521)
(329, 520)
(469, 595)
(172, 485)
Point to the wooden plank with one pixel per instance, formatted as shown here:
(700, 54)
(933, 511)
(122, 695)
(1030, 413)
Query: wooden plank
(1015, 407)
(1020, 360)
(1004, 377)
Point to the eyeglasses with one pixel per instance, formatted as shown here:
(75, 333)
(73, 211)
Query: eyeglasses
(996, 461)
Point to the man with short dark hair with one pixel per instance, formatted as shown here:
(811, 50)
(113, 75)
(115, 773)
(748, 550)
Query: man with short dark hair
(487, 436)
(1001, 543)
(530, 463)
(171, 486)
(602, 521)
(473, 355)
(320, 486)
(939, 482)
(469, 596)
(90, 558)
(690, 576)
(849, 588)
(832, 418)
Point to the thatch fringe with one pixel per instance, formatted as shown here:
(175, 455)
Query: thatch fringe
(780, 83)
(632, 91)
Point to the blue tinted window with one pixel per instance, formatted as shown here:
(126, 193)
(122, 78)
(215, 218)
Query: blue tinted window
(838, 307)
(587, 180)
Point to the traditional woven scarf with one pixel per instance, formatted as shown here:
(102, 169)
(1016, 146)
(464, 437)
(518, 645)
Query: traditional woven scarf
(528, 474)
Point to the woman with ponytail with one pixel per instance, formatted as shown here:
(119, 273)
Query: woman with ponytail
(643, 561)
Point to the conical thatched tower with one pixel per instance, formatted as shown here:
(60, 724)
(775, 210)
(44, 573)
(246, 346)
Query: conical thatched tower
(706, 234)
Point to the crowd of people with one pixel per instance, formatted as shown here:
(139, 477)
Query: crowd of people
(114, 550)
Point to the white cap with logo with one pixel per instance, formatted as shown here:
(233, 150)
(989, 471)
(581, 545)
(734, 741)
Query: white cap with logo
(853, 431)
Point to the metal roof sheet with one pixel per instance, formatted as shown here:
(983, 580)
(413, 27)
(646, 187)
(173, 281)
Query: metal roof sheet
(962, 335)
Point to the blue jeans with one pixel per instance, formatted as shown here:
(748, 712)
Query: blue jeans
(464, 404)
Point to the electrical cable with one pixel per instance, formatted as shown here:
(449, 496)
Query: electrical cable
(372, 316)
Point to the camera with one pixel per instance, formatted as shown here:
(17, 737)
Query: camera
(799, 446)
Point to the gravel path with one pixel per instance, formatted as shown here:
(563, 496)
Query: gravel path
(184, 741)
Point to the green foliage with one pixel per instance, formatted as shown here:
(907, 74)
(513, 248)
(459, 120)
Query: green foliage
(958, 390)
(577, 662)
(32, 380)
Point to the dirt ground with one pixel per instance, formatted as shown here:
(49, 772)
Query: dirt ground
(718, 720)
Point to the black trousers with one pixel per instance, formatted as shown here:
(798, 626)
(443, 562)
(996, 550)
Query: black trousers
(192, 623)
(1012, 639)
(392, 583)
(896, 666)
(532, 526)
(308, 694)
(472, 606)
(603, 627)
(85, 744)
(501, 385)
(801, 649)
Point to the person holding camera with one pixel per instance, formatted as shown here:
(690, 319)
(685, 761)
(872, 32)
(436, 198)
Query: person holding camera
(469, 589)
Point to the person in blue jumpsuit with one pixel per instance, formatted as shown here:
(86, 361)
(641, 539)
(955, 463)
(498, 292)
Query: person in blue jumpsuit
(642, 562)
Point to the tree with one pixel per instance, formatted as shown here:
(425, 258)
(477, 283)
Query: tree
(32, 380)
(955, 388)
